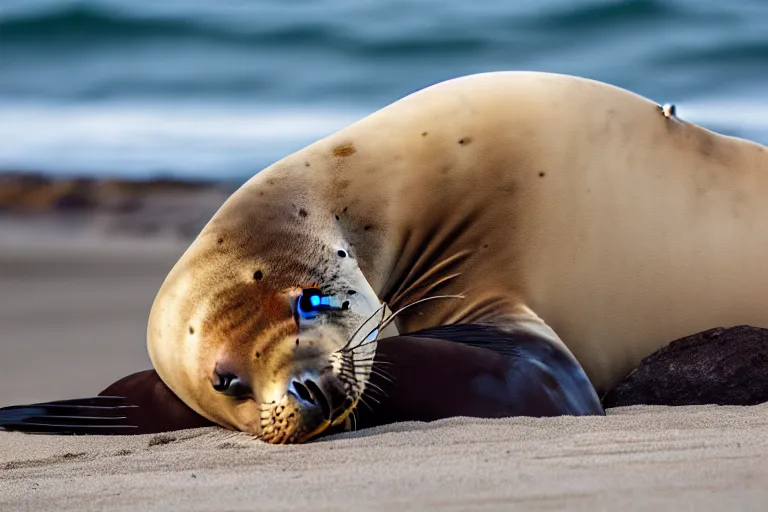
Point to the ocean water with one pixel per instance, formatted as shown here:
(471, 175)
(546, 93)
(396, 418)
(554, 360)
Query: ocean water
(221, 88)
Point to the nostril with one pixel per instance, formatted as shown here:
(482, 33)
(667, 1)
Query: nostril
(223, 381)
(320, 398)
(302, 391)
(230, 384)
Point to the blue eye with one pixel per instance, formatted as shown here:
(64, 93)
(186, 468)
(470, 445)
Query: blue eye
(312, 301)
(309, 303)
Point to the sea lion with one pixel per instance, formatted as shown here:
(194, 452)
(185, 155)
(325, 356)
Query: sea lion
(558, 206)
(457, 370)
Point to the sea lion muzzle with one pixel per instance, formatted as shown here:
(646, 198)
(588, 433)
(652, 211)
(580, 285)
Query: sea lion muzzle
(325, 393)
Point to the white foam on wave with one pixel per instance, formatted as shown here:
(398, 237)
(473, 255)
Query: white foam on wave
(224, 142)
(147, 140)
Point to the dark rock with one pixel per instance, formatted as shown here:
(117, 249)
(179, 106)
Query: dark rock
(723, 366)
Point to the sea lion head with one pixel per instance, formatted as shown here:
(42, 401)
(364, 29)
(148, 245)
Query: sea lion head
(267, 324)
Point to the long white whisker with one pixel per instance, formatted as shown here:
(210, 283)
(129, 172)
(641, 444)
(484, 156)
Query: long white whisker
(370, 398)
(376, 330)
(380, 374)
(376, 388)
(383, 325)
(360, 327)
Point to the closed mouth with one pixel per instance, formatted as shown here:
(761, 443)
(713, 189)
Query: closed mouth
(309, 392)
(332, 402)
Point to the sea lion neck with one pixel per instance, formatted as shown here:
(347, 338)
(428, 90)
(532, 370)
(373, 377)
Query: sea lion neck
(411, 224)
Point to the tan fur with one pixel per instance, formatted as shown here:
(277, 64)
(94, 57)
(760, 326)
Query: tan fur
(548, 200)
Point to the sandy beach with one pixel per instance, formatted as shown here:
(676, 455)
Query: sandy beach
(73, 308)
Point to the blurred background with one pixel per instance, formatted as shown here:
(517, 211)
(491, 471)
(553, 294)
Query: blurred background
(220, 89)
(124, 124)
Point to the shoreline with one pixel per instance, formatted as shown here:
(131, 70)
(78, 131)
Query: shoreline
(41, 206)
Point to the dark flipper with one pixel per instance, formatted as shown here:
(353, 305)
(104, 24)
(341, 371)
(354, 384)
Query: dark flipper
(477, 371)
(720, 366)
(138, 404)
(97, 415)
(159, 409)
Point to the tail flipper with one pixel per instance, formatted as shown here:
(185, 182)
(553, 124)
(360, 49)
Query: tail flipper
(138, 404)
(96, 415)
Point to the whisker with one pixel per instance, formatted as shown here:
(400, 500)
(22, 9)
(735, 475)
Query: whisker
(433, 269)
(373, 358)
(362, 401)
(376, 388)
(375, 329)
(386, 377)
(383, 325)
(357, 376)
(375, 370)
(372, 398)
(366, 364)
(416, 302)
(360, 327)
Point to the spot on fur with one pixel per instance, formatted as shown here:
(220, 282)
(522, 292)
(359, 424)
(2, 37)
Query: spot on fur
(344, 150)
(191, 330)
(542, 174)
(465, 140)
(424, 134)
(258, 275)
(367, 228)
(302, 212)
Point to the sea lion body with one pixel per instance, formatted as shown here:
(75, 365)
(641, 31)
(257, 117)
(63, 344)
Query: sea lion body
(557, 206)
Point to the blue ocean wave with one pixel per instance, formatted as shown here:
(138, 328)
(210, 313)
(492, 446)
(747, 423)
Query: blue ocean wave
(236, 60)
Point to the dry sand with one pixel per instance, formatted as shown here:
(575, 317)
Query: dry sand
(72, 319)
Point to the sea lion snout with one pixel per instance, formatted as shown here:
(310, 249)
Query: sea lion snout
(325, 393)
(311, 404)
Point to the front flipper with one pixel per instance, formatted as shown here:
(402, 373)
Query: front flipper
(474, 370)
(137, 404)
